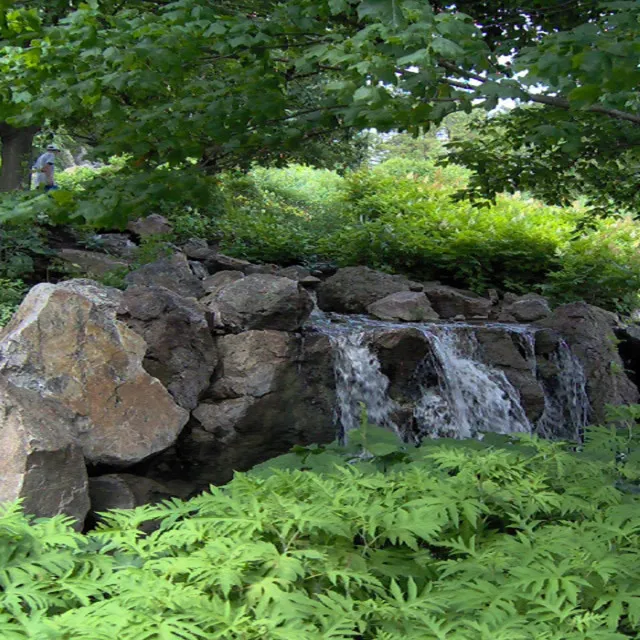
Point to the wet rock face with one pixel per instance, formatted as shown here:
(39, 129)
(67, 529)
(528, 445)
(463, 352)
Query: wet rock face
(506, 352)
(67, 348)
(353, 289)
(590, 332)
(180, 349)
(259, 301)
(401, 352)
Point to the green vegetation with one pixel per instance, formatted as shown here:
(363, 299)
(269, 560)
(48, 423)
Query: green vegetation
(11, 294)
(399, 216)
(512, 538)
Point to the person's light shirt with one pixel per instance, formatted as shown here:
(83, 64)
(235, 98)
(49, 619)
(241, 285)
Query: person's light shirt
(48, 157)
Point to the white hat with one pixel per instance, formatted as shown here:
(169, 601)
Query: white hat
(52, 147)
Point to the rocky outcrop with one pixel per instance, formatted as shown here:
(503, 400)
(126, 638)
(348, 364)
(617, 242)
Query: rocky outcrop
(265, 400)
(259, 301)
(125, 491)
(401, 352)
(590, 332)
(252, 362)
(66, 350)
(450, 303)
(180, 349)
(172, 272)
(408, 306)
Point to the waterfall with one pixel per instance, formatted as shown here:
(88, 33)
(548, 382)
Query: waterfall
(566, 408)
(457, 394)
(470, 397)
(359, 381)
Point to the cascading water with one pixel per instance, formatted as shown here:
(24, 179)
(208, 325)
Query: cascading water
(470, 397)
(359, 382)
(459, 396)
(567, 406)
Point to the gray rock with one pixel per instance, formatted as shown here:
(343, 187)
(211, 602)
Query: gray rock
(180, 348)
(310, 282)
(590, 332)
(527, 308)
(505, 351)
(296, 272)
(409, 306)
(39, 461)
(197, 249)
(259, 302)
(125, 491)
(219, 262)
(198, 269)
(173, 273)
(233, 435)
(91, 262)
(251, 363)
(116, 244)
(449, 302)
(65, 347)
(218, 280)
(270, 269)
(353, 289)
(153, 225)
(400, 352)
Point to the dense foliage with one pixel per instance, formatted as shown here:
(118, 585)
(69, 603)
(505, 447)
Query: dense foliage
(399, 216)
(509, 538)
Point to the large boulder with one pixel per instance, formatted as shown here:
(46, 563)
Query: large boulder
(180, 348)
(289, 402)
(66, 346)
(39, 461)
(259, 301)
(353, 289)
(251, 362)
(219, 280)
(408, 306)
(172, 272)
(125, 491)
(590, 332)
(449, 302)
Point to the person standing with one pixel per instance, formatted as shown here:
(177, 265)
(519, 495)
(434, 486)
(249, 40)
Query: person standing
(45, 167)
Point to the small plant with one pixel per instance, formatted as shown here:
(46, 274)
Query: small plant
(11, 294)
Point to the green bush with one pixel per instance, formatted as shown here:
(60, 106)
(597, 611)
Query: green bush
(11, 294)
(506, 539)
(601, 267)
(399, 216)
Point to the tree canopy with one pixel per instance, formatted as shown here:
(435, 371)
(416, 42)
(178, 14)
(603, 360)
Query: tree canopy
(225, 84)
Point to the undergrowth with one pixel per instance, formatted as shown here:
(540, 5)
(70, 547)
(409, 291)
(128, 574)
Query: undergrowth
(511, 538)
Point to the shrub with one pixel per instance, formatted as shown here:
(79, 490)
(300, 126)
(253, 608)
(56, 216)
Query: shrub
(11, 294)
(516, 538)
(601, 267)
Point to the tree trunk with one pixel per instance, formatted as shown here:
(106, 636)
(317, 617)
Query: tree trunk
(17, 145)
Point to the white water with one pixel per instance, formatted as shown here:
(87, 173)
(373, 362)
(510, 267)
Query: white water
(470, 397)
(459, 396)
